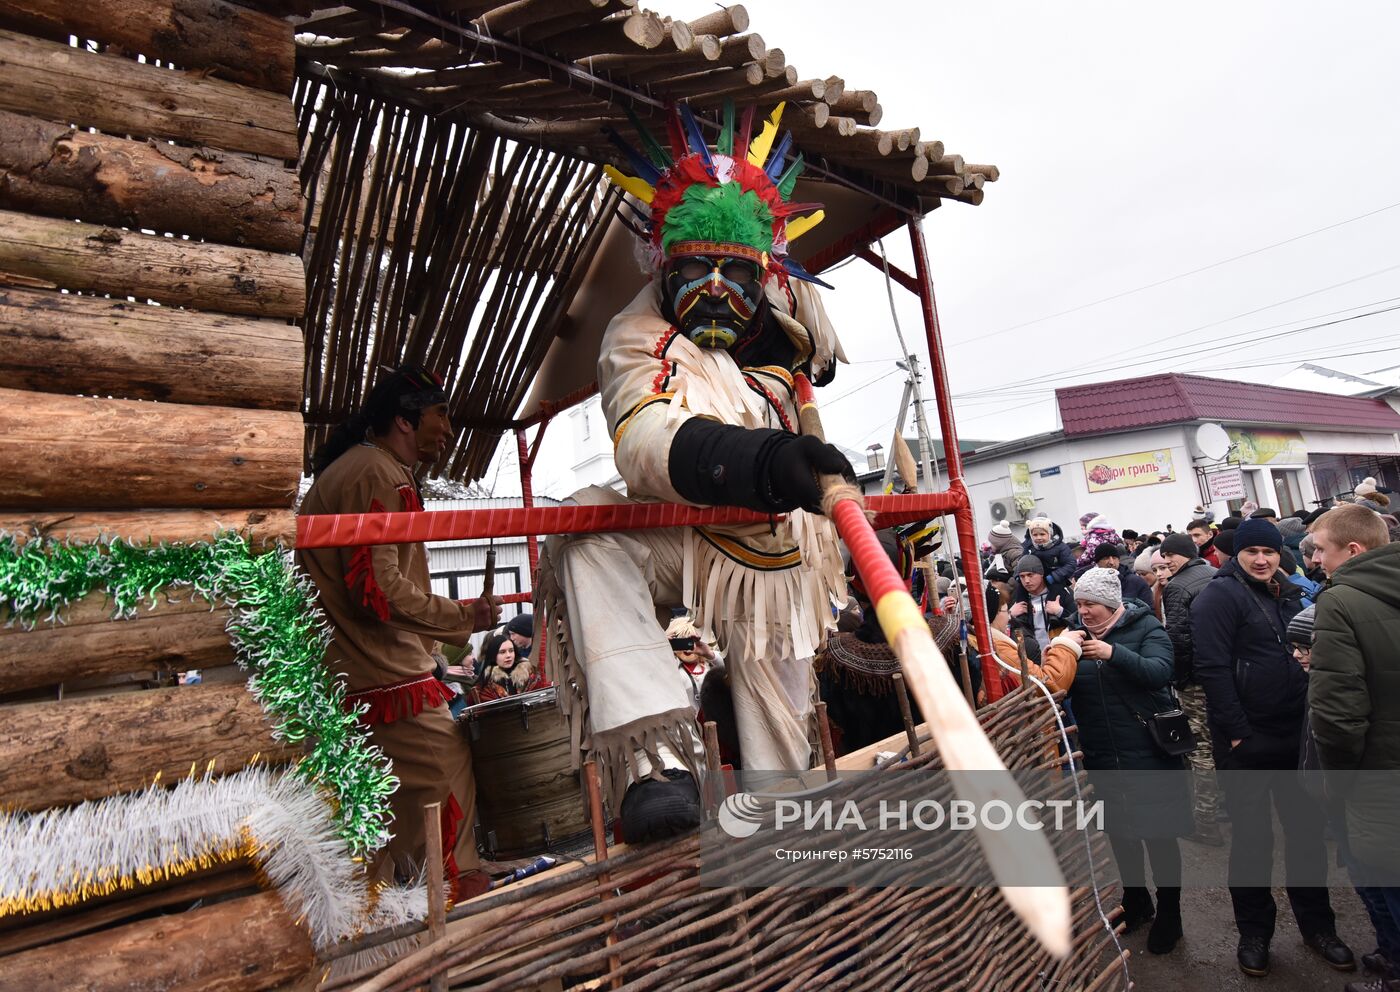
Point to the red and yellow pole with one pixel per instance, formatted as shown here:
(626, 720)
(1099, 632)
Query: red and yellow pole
(961, 742)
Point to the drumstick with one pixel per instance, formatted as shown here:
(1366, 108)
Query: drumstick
(960, 739)
(488, 579)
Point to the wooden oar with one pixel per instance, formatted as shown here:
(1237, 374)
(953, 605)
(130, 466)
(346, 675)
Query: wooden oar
(1013, 853)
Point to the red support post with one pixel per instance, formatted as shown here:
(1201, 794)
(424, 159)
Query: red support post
(967, 531)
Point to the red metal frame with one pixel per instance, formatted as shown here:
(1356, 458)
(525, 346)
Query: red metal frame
(531, 521)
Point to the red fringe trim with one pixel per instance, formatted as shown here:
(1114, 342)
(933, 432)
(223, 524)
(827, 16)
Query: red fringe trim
(400, 700)
(362, 570)
(411, 502)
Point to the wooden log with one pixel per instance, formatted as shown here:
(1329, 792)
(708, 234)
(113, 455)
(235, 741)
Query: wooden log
(871, 144)
(263, 529)
(835, 86)
(944, 165)
(508, 18)
(723, 81)
(119, 96)
(725, 21)
(803, 91)
(734, 52)
(63, 752)
(989, 172)
(241, 945)
(851, 101)
(60, 171)
(67, 452)
(180, 633)
(586, 20)
(36, 929)
(901, 168)
(175, 272)
(640, 29)
(63, 343)
(226, 41)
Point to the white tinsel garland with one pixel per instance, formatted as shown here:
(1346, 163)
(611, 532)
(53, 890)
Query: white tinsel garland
(61, 856)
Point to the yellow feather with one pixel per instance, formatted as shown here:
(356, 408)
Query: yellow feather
(801, 225)
(639, 188)
(760, 146)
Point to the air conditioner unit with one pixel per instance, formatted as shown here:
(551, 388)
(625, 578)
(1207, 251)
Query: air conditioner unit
(1006, 509)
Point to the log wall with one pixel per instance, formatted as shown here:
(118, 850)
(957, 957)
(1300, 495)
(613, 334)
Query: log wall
(151, 370)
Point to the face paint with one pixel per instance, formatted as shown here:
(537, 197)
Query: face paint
(714, 296)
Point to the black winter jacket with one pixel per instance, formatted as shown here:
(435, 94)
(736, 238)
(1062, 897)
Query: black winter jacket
(1177, 595)
(1108, 698)
(1242, 660)
(1134, 586)
(1057, 559)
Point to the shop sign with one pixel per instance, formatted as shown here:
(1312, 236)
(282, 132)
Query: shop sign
(1268, 447)
(1141, 468)
(1021, 485)
(1225, 486)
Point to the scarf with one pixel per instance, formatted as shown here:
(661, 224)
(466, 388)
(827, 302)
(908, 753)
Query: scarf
(1100, 629)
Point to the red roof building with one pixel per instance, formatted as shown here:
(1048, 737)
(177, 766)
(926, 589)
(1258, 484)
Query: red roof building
(1174, 398)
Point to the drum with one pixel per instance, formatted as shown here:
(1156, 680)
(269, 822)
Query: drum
(528, 797)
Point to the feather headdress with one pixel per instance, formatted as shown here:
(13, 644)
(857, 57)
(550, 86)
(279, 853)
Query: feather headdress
(734, 197)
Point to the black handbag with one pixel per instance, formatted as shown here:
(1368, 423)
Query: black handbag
(1170, 730)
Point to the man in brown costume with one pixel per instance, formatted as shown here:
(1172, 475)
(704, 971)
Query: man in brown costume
(385, 620)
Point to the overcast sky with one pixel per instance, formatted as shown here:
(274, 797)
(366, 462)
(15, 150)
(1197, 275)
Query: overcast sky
(1136, 143)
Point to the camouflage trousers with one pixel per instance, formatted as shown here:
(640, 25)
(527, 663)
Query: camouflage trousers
(1205, 788)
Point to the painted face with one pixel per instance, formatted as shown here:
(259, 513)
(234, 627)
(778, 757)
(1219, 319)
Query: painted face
(714, 297)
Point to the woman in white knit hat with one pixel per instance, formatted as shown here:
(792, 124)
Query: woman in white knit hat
(1124, 676)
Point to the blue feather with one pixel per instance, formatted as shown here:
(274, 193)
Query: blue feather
(697, 139)
(640, 164)
(798, 272)
(774, 168)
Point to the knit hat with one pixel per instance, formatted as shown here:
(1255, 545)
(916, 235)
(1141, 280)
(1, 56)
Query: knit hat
(1096, 522)
(1003, 528)
(1041, 523)
(1029, 563)
(524, 625)
(1307, 545)
(1286, 561)
(1290, 526)
(1106, 550)
(1179, 544)
(1142, 564)
(1100, 585)
(1085, 518)
(1225, 542)
(1256, 533)
(1366, 486)
(1300, 628)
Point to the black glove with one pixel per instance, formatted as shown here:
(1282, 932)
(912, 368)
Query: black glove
(766, 470)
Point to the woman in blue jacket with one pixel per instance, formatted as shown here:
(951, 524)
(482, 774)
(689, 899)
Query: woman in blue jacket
(1124, 677)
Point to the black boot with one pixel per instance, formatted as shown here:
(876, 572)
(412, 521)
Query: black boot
(1137, 907)
(1253, 956)
(653, 810)
(1330, 948)
(1166, 929)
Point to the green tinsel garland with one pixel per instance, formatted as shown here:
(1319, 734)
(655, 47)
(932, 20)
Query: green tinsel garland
(279, 634)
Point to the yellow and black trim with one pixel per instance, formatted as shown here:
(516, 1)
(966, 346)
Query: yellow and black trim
(650, 400)
(764, 561)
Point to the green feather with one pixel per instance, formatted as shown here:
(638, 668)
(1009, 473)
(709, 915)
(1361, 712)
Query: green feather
(655, 152)
(789, 178)
(726, 132)
(728, 214)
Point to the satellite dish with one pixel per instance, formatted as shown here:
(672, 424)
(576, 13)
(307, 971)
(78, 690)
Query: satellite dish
(1212, 441)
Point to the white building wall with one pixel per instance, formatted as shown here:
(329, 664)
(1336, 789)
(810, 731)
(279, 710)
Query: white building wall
(592, 462)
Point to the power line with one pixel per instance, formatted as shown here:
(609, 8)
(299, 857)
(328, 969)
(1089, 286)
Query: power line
(1183, 275)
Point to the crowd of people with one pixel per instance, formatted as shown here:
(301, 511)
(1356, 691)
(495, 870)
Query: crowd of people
(1275, 640)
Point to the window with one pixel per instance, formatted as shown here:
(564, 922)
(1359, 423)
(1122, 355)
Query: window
(1288, 494)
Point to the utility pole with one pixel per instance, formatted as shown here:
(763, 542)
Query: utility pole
(912, 394)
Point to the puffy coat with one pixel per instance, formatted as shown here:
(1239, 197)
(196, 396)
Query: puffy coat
(1241, 656)
(1057, 666)
(1008, 547)
(1134, 586)
(1354, 695)
(1108, 698)
(1181, 589)
(1056, 557)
